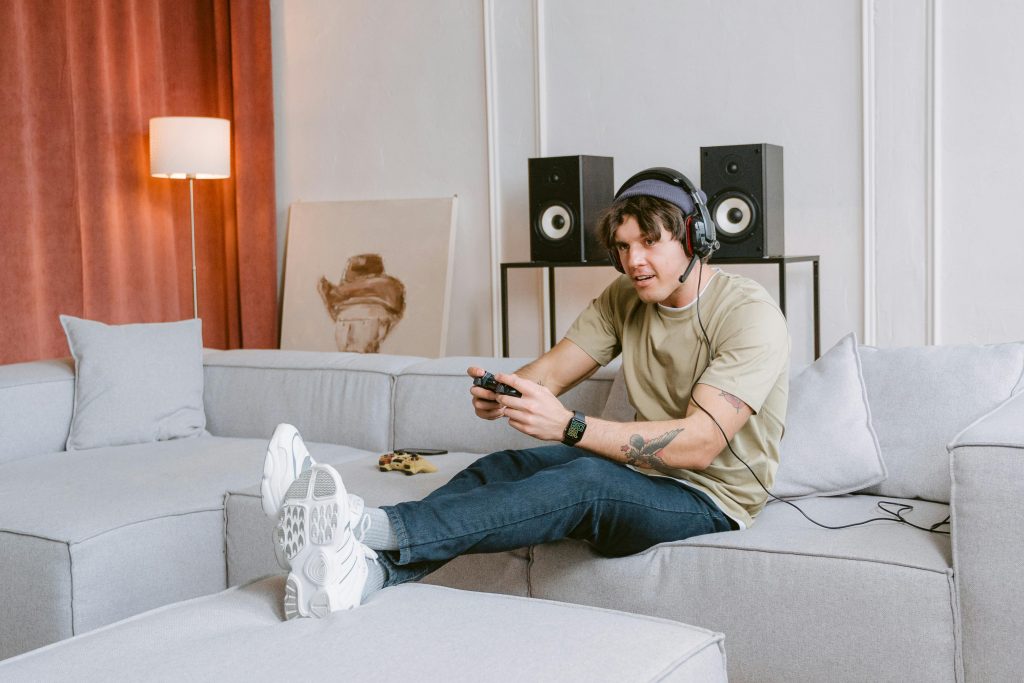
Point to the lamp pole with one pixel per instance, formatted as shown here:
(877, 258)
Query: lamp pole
(192, 214)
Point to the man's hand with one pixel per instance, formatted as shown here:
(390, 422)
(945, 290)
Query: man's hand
(485, 402)
(538, 413)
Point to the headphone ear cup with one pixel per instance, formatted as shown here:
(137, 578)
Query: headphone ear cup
(703, 234)
(699, 239)
(688, 239)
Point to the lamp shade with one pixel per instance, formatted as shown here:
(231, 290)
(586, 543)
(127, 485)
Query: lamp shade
(189, 146)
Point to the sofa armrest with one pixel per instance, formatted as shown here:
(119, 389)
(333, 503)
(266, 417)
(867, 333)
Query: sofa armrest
(987, 468)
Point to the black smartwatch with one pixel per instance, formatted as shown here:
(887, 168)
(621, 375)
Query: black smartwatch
(574, 430)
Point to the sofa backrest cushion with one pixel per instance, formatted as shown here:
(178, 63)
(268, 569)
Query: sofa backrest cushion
(36, 401)
(433, 406)
(340, 398)
(921, 397)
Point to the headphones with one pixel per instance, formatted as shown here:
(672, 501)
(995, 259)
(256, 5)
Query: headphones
(699, 235)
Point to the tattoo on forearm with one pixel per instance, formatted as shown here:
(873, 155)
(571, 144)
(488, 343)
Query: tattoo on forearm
(643, 453)
(732, 400)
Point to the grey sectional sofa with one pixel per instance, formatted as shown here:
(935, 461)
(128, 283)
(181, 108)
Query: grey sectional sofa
(90, 537)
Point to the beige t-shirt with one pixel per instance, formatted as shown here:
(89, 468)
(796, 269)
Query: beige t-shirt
(664, 353)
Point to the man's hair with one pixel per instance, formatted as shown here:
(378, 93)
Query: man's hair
(651, 213)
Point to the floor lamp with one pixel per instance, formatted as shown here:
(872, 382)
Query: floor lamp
(192, 147)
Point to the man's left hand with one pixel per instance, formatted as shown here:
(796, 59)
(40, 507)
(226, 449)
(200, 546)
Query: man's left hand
(538, 413)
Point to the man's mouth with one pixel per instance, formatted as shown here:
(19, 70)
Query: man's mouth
(642, 278)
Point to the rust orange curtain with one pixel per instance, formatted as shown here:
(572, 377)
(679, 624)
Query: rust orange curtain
(85, 229)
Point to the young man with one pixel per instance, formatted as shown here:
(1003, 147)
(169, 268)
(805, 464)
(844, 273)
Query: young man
(705, 359)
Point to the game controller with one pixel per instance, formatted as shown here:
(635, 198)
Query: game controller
(487, 381)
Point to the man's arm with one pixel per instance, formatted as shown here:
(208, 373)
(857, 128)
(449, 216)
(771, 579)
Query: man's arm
(558, 370)
(692, 442)
(561, 368)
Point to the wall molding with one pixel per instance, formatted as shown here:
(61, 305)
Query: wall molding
(540, 88)
(932, 166)
(493, 196)
(868, 108)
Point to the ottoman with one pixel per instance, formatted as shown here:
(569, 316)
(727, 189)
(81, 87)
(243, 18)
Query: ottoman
(410, 632)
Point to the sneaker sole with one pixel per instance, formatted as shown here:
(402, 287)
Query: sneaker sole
(318, 546)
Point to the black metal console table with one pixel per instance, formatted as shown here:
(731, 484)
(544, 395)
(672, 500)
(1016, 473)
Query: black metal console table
(781, 261)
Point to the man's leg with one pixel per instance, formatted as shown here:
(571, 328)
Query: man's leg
(619, 511)
(377, 532)
(505, 466)
(502, 502)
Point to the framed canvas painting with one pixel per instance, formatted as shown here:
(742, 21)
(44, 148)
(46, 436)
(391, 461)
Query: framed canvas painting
(369, 276)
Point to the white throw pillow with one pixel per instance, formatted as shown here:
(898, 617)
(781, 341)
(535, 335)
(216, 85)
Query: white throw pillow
(135, 383)
(829, 447)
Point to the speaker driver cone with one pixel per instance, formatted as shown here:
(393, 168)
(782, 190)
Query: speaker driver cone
(555, 222)
(734, 215)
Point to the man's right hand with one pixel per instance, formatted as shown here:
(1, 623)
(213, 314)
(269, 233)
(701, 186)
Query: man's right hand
(484, 400)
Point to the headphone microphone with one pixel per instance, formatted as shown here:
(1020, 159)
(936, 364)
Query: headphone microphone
(686, 273)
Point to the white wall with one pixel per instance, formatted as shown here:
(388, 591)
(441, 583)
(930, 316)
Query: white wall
(386, 100)
(980, 147)
(898, 120)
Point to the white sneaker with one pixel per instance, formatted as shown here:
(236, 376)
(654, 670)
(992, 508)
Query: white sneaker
(287, 457)
(328, 563)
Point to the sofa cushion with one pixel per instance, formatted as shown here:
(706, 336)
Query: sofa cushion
(433, 406)
(921, 397)
(135, 383)
(791, 598)
(342, 398)
(829, 446)
(36, 401)
(411, 632)
(86, 495)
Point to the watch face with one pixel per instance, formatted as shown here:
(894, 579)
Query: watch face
(575, 429)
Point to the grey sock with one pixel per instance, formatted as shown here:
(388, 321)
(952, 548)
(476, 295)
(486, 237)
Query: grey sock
(380, 535)
(374, 579)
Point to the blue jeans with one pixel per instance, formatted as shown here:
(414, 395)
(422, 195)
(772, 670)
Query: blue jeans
(510, 499)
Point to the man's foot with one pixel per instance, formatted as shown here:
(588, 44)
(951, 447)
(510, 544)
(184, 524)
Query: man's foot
(287, 458)
(315, 536)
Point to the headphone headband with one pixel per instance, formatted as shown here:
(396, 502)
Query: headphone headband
(699, 239)
(666, 175)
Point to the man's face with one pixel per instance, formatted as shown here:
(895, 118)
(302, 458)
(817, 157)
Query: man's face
(654, 265)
